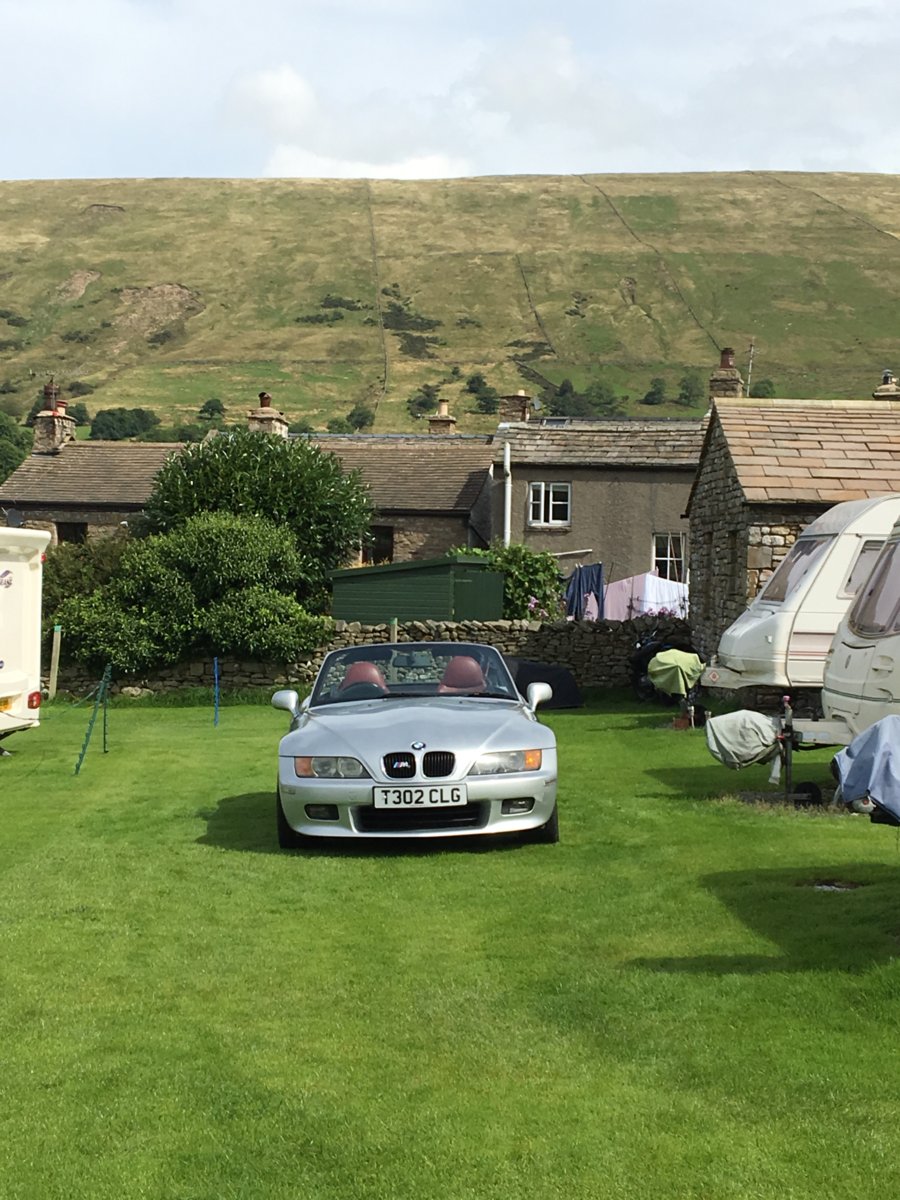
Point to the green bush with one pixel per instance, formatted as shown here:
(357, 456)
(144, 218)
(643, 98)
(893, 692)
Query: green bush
(144, 618)
(264, 624)
(77, 569)
(221, 552)
(532, 587)
(219, 582)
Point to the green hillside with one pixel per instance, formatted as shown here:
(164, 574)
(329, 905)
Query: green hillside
(164, 293)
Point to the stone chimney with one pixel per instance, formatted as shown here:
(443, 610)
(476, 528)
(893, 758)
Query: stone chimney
(515, 408)
(441, 421)
(726, 382)
(266, 419)
(53, 427)
(889, 389)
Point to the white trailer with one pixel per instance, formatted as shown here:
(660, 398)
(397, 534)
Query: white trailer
(784, 637)
(21, 578)
(862, 676)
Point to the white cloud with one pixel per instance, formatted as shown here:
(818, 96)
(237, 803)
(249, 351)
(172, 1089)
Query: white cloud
(277, 101)
(294, 162)
(413, 88)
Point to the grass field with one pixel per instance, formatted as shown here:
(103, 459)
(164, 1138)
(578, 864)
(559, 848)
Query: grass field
(662, 1006)
(163, 293)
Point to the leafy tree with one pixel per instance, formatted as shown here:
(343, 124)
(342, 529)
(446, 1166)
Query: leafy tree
(15, 442)
(79, 413)
(532, 585)
(425, 400)
(763, 389)
(361, 417)
(211, 409)
(691, 389)
(486, 398)
(117, 424)
(604, 400)
(569, 404)
(339, 425)
(292, 482)
(301, 427)
(657, 393)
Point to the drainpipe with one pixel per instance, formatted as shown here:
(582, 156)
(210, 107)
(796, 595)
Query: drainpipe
(507, 496)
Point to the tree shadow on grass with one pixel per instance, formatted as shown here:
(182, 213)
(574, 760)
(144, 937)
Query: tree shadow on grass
(843, 917)
(247, 823)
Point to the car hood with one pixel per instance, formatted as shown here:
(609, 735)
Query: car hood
(369, 729)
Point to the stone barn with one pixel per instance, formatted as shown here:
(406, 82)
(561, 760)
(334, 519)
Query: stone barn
(768, 468)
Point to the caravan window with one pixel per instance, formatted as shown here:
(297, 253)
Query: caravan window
(877, 608)
(862, 567)
(805, 554)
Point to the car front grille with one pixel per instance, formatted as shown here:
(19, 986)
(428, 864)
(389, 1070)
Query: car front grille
(438, 763)
(401, 765)
(369, 819)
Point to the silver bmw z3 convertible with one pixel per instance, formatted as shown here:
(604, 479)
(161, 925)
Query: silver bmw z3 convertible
(415, 740)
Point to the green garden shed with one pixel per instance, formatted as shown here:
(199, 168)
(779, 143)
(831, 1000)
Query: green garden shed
(456, 588)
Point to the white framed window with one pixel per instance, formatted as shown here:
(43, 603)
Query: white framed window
(669, 556)
(550, 504)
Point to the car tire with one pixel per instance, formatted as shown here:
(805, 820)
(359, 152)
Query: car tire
(548, 833)
(288, 838)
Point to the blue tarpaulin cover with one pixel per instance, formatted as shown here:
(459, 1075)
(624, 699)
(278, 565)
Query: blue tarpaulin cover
(870, 766)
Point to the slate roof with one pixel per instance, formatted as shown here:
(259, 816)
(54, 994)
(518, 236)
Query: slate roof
(813, 450)
(603, 443)
(415, 473)
(429, 473)
(115, 475)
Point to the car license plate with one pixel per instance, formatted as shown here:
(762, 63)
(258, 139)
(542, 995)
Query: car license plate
(6, 702)
(420, 797)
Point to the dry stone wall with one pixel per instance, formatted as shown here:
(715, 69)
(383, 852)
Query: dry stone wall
(596, 652)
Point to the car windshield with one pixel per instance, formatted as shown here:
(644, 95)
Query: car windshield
(409, 669)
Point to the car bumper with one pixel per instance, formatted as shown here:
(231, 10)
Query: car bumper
(357, 816)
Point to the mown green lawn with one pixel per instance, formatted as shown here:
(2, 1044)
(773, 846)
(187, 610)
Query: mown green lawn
(661, 1006)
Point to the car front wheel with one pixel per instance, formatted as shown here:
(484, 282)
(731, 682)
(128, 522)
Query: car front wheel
(288, 838)
(548, 833)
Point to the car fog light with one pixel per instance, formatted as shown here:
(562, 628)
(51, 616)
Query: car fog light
(526, 804)
(322, 812)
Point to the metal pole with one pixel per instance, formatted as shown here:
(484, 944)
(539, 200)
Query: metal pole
(507, 495)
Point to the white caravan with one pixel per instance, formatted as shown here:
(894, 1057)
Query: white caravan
(862, 676)
(783, 638)
(21, 578)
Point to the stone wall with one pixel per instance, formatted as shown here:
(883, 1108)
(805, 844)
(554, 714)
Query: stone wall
(719, 543)
(427, 536)
(596, 652)
(734, 546)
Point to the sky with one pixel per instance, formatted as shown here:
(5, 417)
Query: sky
(418, 89)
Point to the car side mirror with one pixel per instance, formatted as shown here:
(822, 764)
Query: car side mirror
(288, 700)
(538, 693)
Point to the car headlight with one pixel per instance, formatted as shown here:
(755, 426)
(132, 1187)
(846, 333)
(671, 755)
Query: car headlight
(325, 767)
(505, 762)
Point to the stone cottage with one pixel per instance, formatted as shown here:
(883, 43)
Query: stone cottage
(768, 468)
